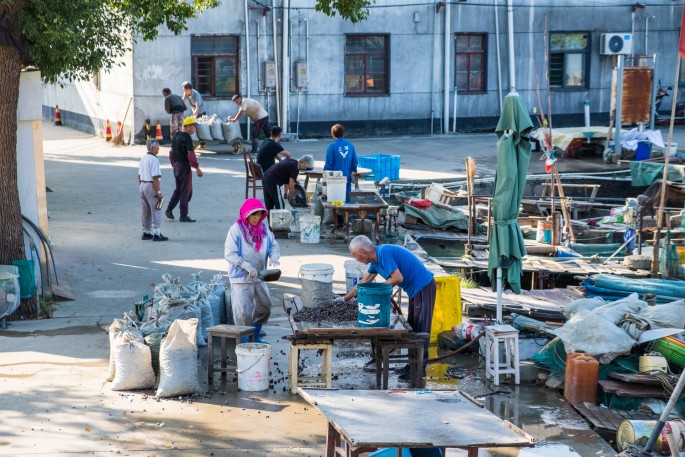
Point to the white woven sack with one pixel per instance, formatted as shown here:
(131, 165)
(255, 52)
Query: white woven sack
(203, 132)
(133, 366)
(178, 363)
(231, 131)
(120, 328)
(216, 131)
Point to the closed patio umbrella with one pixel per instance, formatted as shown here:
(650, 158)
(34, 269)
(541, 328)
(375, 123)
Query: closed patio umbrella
(513, 156)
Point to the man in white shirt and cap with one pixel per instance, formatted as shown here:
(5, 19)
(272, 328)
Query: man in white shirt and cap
(151, 198)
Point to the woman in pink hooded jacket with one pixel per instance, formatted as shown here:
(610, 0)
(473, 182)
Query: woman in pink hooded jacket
(249, 245)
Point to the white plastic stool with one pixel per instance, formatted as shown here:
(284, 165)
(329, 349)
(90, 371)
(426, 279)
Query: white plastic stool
(494, 335)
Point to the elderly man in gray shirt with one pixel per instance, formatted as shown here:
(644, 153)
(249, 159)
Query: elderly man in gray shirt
(194, 98)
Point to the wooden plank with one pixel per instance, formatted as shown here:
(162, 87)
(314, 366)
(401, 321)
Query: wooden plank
(608, 420)
(637, 378)
(623, 389)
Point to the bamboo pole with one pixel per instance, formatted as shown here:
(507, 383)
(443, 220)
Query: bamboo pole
(664, 179)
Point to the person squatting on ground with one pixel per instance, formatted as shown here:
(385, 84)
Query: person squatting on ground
(149, 176)
(271, 150)
(257, 114)
(182, 157)
(173, 104)
(341, 156)
(284, 173)
(249, 245)
(400, 267)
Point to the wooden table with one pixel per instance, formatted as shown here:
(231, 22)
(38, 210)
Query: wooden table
(365, 420)
(317, 173)
(362, 204)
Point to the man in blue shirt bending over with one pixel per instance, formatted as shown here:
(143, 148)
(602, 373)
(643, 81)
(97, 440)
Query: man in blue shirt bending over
(341, 156)
(400, 267)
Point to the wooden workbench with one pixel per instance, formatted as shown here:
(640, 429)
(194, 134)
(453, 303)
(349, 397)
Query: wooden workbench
(363, 421)
(362, 204)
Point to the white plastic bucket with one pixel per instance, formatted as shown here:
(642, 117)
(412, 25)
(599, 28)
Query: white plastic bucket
(253, 366)
(310, 229)
(321, 272)
(297, 213)
(280, 219)
(337, 189)
(354, 271)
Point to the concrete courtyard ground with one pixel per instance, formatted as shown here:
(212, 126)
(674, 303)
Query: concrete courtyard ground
(55, 401)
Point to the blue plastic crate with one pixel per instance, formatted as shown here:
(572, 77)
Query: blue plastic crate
(382, 165)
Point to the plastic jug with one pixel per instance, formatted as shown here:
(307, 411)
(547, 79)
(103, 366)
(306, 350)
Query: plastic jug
(582, 374)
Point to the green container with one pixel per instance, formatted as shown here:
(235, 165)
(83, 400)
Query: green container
(671, 352)
(373, 304)
(27, 277)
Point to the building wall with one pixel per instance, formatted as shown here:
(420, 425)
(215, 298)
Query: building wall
(415, 103)
(86, 105)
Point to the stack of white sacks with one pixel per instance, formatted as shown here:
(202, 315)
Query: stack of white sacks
(167, 340)
(211, 128)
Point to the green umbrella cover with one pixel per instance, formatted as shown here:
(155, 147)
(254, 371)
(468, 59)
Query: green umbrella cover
(513, 156)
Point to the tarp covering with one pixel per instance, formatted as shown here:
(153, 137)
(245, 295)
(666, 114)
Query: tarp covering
(438, 217)
(645, 173)
(507, 246)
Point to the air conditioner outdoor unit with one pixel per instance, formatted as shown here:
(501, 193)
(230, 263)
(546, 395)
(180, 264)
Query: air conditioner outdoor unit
(612, 44)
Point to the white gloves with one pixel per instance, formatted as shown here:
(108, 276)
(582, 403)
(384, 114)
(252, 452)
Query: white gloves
(339, 299)
(251, 271)
(274, 263)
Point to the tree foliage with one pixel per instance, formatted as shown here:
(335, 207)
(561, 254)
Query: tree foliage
(352, 10)
(74, 39)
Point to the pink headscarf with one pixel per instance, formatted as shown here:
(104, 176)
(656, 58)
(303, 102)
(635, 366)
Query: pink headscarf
(253, 233)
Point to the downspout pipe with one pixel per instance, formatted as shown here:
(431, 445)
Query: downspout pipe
(285, 67)
(499, 60)
(512, 57)
(446, 76)
(273, 21)
(247, 62)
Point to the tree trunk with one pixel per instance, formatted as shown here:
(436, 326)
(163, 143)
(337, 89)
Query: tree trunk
(11, 235)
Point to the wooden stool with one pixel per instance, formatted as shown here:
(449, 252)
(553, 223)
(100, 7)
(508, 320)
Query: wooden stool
(413, 358)
(225, 332)
(509, 336)
(324, 379)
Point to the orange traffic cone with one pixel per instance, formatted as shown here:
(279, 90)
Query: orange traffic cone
(158, 132)
(108, 131)
(147, 129)
(58, 118)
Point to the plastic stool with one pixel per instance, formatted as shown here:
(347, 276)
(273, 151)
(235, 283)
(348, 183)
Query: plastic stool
(509, 336)
(224, 332)
(324, 379)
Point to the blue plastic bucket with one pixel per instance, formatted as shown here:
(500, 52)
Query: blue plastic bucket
(373, 304)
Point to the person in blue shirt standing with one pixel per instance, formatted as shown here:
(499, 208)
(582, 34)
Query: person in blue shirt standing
(341, 156)
(400, 267)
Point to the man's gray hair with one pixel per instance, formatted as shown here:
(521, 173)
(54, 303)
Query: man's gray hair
(361, 243)
(307, 160)
(151, 143)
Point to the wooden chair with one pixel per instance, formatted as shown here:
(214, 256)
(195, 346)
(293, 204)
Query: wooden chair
(253, 174)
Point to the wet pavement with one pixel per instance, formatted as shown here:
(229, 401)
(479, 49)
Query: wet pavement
(55, 401)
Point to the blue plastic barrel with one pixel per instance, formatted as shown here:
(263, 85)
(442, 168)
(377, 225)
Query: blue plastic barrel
(373, 304)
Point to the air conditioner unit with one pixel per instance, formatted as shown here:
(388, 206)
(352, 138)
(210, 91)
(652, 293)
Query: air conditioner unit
(612, 44)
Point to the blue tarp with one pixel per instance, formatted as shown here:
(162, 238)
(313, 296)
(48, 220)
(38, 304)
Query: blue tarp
(613, 287)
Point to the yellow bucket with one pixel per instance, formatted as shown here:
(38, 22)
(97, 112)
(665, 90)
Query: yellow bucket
(681, 253)
(447, 311)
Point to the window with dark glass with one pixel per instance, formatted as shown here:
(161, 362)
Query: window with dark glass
(470, 62)
(366, 64)
(215, 65)
(569, 55)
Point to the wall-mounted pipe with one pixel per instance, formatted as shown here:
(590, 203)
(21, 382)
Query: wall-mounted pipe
(247, 62)
(285, 67)
(499, 61)
(512, 59)
(278, 102)
(259, 59)
(446, 73)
